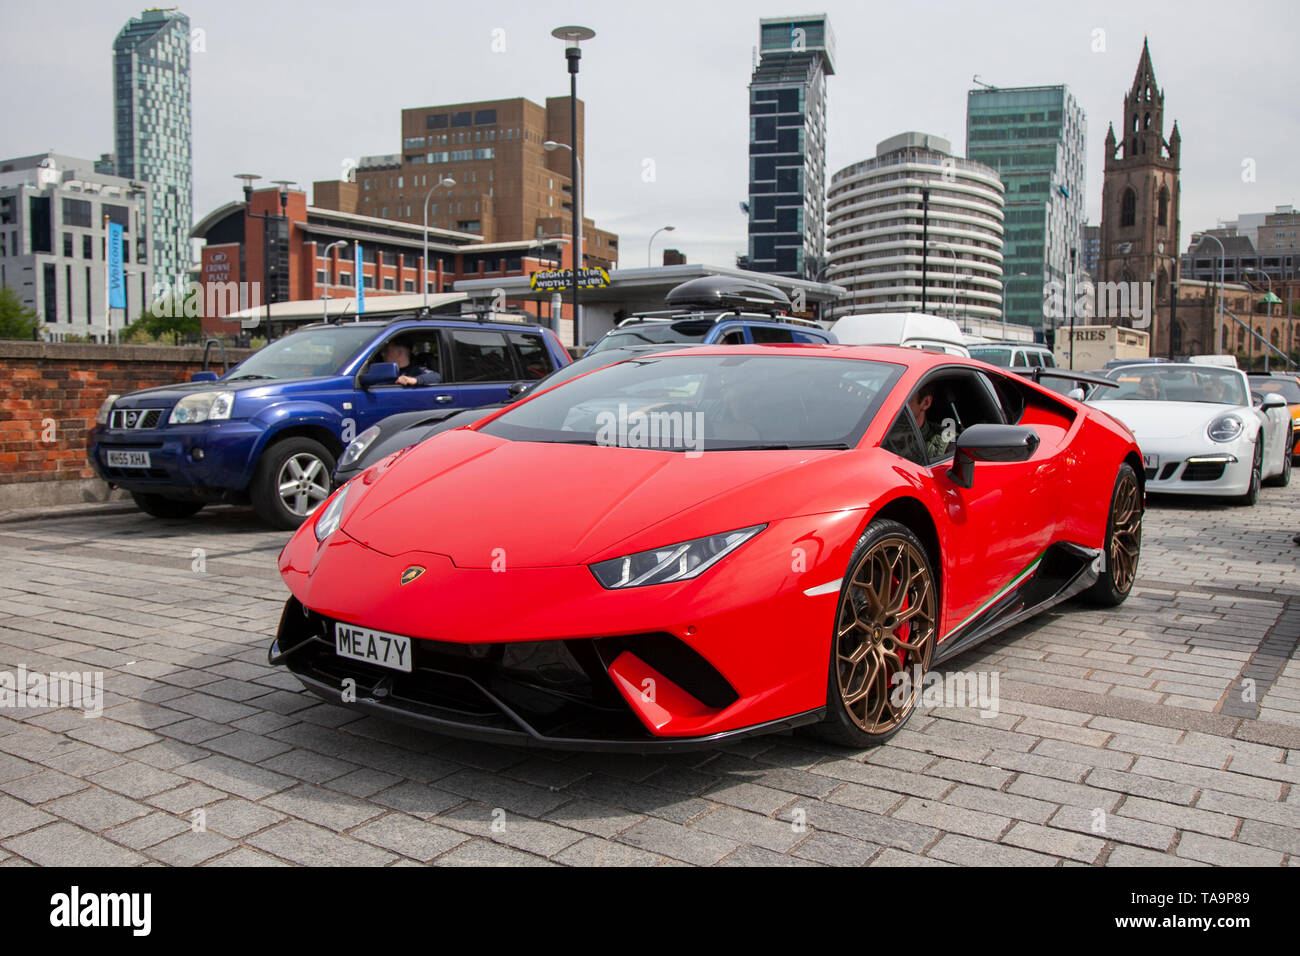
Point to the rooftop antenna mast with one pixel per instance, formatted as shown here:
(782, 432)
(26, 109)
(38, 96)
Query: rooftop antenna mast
(978, 82)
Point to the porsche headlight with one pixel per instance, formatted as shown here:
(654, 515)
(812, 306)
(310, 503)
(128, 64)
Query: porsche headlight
(202, 407)
(676, 562)
(331, 515)
(101, 416)
(1225, 428)
(357, 447)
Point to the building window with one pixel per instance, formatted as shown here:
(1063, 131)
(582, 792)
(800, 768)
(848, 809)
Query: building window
(1128, 209)
(389, 285)
(1162, 215)
(88, 249)
(345, 278)
(76, 212)
(67, 245)
(88, 300)
(408, 285)
(321, 277)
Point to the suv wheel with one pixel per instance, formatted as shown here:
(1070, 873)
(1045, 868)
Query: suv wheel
(291, 481)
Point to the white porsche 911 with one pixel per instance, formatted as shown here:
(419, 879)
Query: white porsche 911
(1200, 429)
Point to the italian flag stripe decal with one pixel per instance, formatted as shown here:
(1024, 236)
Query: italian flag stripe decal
(1015, 582)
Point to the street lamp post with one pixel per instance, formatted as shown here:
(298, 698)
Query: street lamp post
(550, 146)
(424, 272)
(955, 261)
(1268, 304)
(325, 296)
(649, 252)
(284, 184)
(572, 36)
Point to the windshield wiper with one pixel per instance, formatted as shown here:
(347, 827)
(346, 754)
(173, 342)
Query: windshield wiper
(248, 375)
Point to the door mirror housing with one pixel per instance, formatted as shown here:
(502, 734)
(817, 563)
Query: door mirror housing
(990, 443)
(203, 377)
(381, 373)
(518, 388)
(1273, 400)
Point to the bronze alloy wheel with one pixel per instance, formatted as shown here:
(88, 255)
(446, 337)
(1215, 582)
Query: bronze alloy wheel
(1126, 532)
(887, 625)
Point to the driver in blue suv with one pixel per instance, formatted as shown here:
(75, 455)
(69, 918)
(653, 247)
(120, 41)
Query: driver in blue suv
(408, 373)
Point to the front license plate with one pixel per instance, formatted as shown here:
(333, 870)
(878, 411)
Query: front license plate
(128, 459)
(1150, 461)
(374, 647)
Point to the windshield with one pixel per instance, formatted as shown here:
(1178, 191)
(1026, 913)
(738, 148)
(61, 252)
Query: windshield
(1177, 383)
(994, 356)
(708, 403)
(653, 333)
(307, 354)
(1288, 388)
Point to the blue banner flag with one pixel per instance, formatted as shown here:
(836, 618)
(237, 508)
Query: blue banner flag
(116, 275)
(361, 283)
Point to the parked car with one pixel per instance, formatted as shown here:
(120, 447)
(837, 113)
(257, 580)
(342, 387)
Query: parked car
(642, 595)
(1288, 386)
(915, 330)
(405, 429)
(270, 430)
(1013, 354)
(1200, 431)
(719, 310)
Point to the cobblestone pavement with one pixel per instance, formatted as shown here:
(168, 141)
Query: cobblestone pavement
(1166, 731)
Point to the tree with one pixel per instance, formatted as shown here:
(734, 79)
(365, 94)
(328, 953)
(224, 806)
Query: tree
(16, 320)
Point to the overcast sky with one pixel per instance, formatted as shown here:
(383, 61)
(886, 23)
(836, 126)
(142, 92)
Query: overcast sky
(294, 90)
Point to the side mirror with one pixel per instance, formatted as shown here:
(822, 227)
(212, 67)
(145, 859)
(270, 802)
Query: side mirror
(381, 373)
(203, 377)
(1076, 394)
(517, 389)
(1274, 400)
(990, 443)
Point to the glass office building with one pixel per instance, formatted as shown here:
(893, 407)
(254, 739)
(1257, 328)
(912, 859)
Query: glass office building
(1035, 137)
(787, 147)
(151, 121)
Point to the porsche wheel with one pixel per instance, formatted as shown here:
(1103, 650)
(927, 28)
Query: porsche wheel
(1256, 470)
(1123, 542)
(885, 631)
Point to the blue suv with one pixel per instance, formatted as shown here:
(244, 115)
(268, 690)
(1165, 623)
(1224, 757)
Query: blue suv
(270, 430)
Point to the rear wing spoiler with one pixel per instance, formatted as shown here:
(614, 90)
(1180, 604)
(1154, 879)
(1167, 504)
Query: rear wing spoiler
(1038, 373)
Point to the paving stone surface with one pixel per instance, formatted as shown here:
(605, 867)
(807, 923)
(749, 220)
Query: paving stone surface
(1162, 732)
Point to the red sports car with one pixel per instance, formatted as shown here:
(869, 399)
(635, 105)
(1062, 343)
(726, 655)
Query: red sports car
(689, 547)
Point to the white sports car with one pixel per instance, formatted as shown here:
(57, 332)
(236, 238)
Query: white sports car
(1200, 429)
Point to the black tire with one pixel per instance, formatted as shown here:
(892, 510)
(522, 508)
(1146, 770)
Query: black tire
(161, 507)
(1256, 470)
(842, 725)
(274, 469)
(1122, 549)
(1284, 479)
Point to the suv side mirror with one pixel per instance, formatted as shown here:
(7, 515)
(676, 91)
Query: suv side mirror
(517, 389)
(381, 373)
(990, 443)
(1273, 400)
(203, 377)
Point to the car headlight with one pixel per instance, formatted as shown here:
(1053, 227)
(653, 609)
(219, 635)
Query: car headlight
(101, 416)
(202, 407)
(357, 447)
(676, 562)
(331, 515)
(1225, 428)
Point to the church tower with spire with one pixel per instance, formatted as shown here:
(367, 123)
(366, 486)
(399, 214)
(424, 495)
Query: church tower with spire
(1139, 211)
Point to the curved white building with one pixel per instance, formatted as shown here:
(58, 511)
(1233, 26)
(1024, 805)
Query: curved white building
(874, 232)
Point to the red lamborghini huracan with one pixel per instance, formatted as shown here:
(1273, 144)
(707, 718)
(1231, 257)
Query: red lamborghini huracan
(692, 546)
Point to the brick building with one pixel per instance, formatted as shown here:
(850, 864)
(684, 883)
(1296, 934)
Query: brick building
(234, 270)
(508, 187)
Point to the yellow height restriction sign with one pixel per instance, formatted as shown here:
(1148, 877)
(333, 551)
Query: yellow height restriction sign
(557, 280)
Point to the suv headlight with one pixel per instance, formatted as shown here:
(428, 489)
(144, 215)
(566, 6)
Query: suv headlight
(676, 562)
(357, 447)
(1225, 428)
(331, 515)
(202, 407)
(101, 416)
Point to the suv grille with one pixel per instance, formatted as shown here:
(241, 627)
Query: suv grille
(127, 418)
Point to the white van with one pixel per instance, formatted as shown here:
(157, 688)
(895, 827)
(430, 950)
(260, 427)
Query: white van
(915, 330)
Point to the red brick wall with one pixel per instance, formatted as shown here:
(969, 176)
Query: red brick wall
(44, 383)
